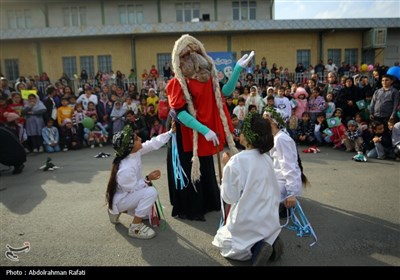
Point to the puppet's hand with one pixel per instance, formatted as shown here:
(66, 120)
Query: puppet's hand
(244, 60)
(211, 136)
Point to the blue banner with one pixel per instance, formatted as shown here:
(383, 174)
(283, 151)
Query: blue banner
(224, 62)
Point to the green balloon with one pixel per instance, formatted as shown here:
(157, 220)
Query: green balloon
(88, 123)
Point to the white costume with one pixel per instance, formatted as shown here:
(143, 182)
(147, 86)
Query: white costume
(286, 166)
(133, 194)
(250, 186)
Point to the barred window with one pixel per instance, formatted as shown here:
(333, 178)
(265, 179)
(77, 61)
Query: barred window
(351, 56)
(335, 55)
(162, 58)
(12, 69)
(69, 65)
(87, 63)
(304, 57)
(104, 63)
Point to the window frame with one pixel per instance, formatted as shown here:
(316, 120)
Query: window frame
(86, 62)
(69, 65)
(182, 9)
(335, 55)
(12, 68)
(70, 16)
(300, 54)
(244, 10)
(135, 16)
(349, 55)
(104, 67)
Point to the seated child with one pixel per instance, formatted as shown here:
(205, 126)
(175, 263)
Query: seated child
(352, 138)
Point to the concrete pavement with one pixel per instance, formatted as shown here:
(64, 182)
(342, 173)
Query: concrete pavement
(353, 207)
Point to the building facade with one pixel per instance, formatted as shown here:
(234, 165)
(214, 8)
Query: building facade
(58, 37)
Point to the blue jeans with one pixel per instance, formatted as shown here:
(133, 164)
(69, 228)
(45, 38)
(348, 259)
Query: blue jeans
(377, 152)
(51, 149)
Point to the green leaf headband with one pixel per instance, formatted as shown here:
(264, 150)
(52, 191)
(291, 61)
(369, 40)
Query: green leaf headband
(246, 129)
(123, 141)
(276, 116)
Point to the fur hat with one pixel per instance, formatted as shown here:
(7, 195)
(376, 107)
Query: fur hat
(11, 116)
(300, 91)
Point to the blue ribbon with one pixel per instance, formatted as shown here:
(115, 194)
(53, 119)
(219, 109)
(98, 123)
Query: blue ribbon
(179, 173)
(300, 223)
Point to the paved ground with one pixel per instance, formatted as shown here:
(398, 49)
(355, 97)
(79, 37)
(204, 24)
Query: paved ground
(353, 207)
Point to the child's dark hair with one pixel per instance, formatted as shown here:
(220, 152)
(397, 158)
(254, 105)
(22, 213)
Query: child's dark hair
(233, 116)
(265, 140)
(112, 182)
(375, 124)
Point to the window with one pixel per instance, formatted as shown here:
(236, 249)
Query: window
(187, 11)
(130, 14)
(12, 69)
(19, 19)
(303, 56)
(335, 55)
(104, 63)
(161, 59)
(87, 63)
(69, 65)
(244, 10)
(351, 56)
(74, 16)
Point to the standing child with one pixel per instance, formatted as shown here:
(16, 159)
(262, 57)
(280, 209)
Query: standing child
(128, 191)
(249, 185)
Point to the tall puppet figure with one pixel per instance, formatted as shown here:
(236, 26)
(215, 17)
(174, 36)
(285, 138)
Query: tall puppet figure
(202, 128)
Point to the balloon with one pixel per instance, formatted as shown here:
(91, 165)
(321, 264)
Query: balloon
(370, 67)
(364, 67)
(88, 123)
(394, 71)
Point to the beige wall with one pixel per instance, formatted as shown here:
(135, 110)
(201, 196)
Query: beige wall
(24, 51)
(277, 48)
(343, 40)
(53, 51)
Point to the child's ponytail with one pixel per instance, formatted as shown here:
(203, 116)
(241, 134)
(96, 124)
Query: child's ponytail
(112, 183)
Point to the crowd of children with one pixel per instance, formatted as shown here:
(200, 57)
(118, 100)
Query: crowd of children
(353, 116)
(59, 120)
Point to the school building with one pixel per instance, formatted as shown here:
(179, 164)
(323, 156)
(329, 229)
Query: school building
(56, 36)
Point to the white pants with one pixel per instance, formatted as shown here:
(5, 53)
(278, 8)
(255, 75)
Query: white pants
(138, 203)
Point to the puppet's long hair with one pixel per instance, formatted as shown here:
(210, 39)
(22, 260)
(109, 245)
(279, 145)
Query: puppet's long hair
(179, 46)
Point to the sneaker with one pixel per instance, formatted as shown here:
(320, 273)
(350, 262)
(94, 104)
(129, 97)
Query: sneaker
(27, 150)
(41, 149)
(141, 231)
(101, 145)
(114, 218)
(35, 150)
(65, 150)
(277, 250)
(262, 253)
(92, 146)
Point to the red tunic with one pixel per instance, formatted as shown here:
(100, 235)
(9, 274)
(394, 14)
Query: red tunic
(206, 113)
